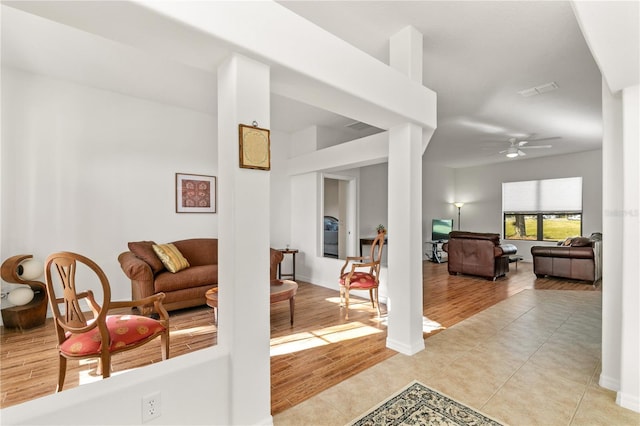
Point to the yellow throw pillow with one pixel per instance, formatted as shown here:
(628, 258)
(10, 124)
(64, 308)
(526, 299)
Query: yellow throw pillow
(171, 257)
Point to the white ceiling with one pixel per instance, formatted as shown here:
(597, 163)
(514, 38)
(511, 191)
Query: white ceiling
(477, 56)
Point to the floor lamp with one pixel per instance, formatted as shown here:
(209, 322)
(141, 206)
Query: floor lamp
(458, 205)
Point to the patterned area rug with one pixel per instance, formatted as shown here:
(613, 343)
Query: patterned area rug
(419, 405)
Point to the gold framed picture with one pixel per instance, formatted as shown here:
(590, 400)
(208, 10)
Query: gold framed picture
(255, 147)
(195, 193)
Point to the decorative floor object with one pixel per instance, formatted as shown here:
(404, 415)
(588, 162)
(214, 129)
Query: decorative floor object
(417, 404)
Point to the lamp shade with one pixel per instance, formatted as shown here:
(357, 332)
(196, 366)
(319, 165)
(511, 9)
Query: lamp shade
(20, 296)
(30, 269)
(458, 204)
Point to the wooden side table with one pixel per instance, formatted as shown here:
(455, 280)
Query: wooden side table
(292, 275)
(368, 242)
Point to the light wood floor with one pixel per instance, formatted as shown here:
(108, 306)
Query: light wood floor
(319, 351)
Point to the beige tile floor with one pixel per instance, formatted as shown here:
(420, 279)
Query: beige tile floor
(533, 359)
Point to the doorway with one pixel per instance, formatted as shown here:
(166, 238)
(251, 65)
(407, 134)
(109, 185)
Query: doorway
(338, 216)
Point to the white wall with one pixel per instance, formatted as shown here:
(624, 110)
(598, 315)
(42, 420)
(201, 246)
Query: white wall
(480, 188)
(89, 170)
(374, 192)
(438, 194)
(280, 191)
(118, 400)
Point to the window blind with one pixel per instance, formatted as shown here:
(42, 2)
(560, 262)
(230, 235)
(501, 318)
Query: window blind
(547, 195)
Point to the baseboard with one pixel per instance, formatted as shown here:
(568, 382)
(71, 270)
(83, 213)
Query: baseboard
(409, 350)
(266, 422)
(631, 402)
(609, 383)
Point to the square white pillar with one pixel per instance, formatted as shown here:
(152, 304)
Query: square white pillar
(404, 333)
(243, 242)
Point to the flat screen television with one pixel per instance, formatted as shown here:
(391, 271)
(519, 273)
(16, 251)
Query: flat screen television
(440, 229)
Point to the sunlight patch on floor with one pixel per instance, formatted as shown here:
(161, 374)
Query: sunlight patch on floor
(194, 331)
(312, 339)
(90, 376)
(427, 325)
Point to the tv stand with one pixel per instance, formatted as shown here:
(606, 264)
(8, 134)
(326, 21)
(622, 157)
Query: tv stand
(434, 254)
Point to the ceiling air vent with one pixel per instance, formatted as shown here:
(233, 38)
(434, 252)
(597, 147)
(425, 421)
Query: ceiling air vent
(359, 126)
(543, 88)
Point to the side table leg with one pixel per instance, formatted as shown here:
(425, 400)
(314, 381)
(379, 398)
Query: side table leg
(294, 267)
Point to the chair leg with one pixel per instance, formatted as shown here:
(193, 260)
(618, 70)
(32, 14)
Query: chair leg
(164, 344)
(62, 372)
(346, 296)
(377, 301)
(104, 365)
(373, 305)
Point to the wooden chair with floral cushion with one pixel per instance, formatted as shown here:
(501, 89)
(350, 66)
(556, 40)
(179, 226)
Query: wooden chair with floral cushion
(99, 335)
(363, 275)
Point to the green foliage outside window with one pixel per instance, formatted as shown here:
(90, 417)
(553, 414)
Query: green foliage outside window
(542, 226)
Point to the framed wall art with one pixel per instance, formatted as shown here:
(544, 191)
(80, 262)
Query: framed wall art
(195, 193)
(255, 148)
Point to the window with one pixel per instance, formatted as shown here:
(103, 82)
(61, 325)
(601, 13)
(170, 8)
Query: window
(542, 210)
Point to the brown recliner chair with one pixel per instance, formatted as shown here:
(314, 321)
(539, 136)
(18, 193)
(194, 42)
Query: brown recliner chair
(476, 253)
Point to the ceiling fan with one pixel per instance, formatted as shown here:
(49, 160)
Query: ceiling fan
(516, 147)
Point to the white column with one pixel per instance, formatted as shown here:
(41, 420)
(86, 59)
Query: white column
(612, 236)
(629, 394)
(405, 53)
(243, 242)
(404, 332)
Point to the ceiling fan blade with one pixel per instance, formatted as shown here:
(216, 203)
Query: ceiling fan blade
(544, 139)
(521, 153)
(537, 146)
(522, 143)
(502, 152)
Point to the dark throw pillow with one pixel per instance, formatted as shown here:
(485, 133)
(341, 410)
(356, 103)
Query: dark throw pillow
(144, 251)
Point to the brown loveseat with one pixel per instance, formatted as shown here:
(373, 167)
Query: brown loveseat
(476, 253)
(182, 289)
(577, 258)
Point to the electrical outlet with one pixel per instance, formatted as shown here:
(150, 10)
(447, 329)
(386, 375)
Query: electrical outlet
(151, 407)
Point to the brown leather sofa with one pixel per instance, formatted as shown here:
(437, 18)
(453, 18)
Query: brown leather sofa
(577, 258)
(476, 253)
(182, 289)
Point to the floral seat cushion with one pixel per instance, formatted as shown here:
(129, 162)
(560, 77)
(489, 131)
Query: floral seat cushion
(124, 330)
(363, 280)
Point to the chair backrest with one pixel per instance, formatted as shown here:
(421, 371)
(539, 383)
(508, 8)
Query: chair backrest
(73, 319)
(376, 251)
(276, 257)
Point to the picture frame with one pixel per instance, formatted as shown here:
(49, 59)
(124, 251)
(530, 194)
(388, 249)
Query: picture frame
(195, 193)
(255, 147)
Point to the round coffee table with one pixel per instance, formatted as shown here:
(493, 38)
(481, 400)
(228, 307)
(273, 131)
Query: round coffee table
(280, 290)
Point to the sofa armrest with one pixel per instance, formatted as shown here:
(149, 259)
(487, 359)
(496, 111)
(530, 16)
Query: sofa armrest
(134, 267)
(140, 273)
(506, 250)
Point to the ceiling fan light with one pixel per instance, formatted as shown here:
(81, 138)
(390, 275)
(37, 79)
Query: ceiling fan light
(512, 152)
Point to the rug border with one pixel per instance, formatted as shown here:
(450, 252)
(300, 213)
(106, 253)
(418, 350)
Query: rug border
(395, 394)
